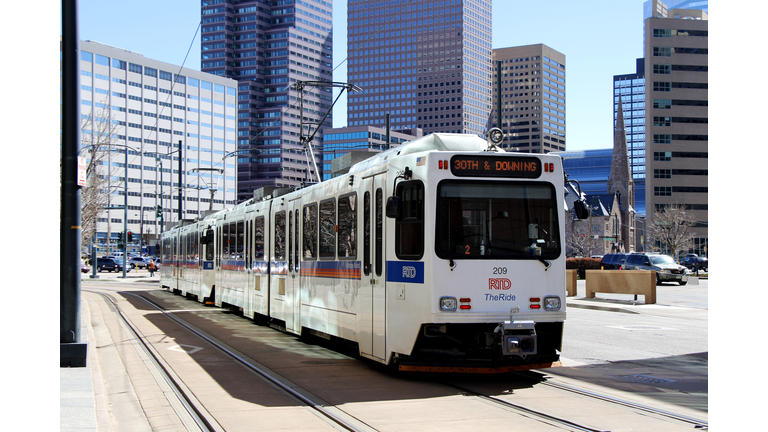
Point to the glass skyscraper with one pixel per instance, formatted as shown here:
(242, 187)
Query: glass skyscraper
(267, 46)
(426, 63)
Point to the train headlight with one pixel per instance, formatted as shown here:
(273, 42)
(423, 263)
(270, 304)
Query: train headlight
(448, 304)
(552, 303)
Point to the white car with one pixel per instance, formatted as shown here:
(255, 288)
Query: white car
(138, 262)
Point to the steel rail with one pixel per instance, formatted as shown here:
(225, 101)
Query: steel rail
(697, 423)
(323, 409)
(189, 410)
(528, 412)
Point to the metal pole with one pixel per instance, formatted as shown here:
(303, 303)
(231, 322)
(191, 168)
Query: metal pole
(181, 157)
(73, 351)
(498, 95)
(125, 215)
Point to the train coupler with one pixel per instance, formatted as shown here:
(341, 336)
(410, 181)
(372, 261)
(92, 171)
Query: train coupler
(518, 338)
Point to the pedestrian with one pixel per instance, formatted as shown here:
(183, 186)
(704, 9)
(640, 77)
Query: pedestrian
(151, 268)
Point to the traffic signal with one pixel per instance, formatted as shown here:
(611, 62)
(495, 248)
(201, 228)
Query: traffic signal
(121, 241)
(159, 212)
(130, 237)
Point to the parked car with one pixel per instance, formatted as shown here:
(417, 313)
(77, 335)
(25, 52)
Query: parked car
(613, 261)
(667, 270)
(109, 264)
(138, 262)
(691, 261)
(84, 268)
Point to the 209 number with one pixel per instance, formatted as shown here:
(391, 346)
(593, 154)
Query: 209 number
(499, 270)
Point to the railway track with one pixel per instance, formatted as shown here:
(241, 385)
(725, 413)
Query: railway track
(194, 416)
(190, 411)
(559, 421)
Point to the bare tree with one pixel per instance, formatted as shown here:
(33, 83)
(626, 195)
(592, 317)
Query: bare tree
(671, 227)
(583, 239)
(98, 136)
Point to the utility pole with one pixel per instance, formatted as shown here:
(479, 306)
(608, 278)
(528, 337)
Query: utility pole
(73, 348)
(181, 187)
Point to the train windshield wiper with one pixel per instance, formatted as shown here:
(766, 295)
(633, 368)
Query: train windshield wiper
(543, 261)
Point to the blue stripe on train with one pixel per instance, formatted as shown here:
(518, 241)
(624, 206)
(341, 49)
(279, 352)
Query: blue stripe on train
(405, 271)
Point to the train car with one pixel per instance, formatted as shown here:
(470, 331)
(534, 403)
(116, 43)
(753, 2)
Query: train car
(445, 253)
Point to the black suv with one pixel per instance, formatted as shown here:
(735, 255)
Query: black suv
(613, 261)
(109, 264)
(690, 262)
(667, 270)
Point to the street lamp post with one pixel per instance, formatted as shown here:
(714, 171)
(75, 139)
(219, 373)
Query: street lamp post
(160, 162)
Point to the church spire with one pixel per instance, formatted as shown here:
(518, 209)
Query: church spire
(620, 182)
(621, 173)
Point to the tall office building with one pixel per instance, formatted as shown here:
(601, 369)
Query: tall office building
(362, 142)
(426, 63)
(159, 111)
(658, 9)
(676, 124)
(529, 95)
(267, 47)
(631, 89)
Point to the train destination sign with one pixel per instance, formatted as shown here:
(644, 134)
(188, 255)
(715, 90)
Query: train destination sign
(495, 166)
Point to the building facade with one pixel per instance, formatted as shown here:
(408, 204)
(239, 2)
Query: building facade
(268, 47)
(426, 63)
(162, 114)
(529, 98)
(360, 139)
(676, 94)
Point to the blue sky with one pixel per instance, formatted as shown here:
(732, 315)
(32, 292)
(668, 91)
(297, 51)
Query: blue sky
(600, 39)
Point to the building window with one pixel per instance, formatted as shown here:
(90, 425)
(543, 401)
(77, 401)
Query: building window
(662, 86)
(662, 173)
(662, 103)
(662, 156)
(662, 191)
(662, 33)
(662, 51)
(662, 69)
(662, 121)
(662, 139)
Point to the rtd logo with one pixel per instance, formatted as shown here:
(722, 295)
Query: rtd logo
(409, 272)
(499, 284)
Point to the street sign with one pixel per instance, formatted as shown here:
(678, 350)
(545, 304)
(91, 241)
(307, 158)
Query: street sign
(82, 170)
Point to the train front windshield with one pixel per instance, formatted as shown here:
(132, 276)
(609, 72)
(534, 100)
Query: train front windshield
(497, 220)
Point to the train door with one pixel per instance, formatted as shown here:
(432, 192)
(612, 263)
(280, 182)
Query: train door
(292, 304)
(247, 281)
(373, 279)
(218, 263)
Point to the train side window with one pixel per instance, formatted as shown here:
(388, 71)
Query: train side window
(195, 249)
(258, 238)
(208, 241)
(297, 243)
(248, 243)
(225, 241)
(328, 229)
(290, 241)
(409, 228)
(367, 233)
(347, 231)
(280, 236)
(379, 231)
(240, 241)
(310, 232)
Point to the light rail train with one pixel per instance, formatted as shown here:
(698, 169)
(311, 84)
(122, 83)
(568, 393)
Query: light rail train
(442, 254)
